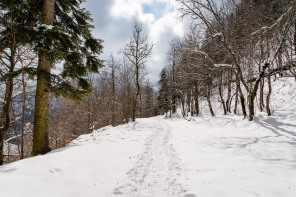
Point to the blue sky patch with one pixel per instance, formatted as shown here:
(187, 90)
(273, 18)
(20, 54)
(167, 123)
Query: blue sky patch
(156, 8)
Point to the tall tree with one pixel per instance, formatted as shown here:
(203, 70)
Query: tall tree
(163, 97)
(14, 18)
(113, 67)
(64, 35)
(137, 51)
(41, 116)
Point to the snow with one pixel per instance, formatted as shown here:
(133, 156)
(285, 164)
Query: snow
(223, 65)
(217, 35)
(47, 27)
(206, 156)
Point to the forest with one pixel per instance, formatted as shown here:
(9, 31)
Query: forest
(233, 50)
(54, 86)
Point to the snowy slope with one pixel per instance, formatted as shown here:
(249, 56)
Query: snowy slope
(207, 156)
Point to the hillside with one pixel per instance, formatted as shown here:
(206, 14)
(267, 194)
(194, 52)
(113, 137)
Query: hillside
(201, 156)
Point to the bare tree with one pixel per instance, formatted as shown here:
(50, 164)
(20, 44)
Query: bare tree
(113, 68)
(137, 51)
(237, 25)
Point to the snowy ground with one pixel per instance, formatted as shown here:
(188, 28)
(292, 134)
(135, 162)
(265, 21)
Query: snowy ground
(203, 156)
(221, 156)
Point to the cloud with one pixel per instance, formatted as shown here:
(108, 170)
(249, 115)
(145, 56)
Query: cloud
(114, 20)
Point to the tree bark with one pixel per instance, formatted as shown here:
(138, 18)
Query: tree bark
(113, 91)
(268, 111)
(183, 106)
(228, 101)
(261, 96)
(221, 96)
(253, 93)
(209, 99)
(173, 89)
(196, 98)
(188, 101)
(236, 99)
(251, 107)
(5, 115)
(242, 98)
(23, 109)
(42, 99)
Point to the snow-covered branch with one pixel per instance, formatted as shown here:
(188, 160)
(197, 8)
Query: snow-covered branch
(277, 22)
(205, 55)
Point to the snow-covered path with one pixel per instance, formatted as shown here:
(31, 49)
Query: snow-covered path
(157, 169)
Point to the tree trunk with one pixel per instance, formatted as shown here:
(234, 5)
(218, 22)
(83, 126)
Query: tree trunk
(134, 108)
(174, 101)
(209, 99)
(251, 107)
(113, 92)
(5, 115)
(188, 101)
(253, 92)
(137, 98)
(294, 37)
(228, 101)
(173, 91)
(196, 97)
(41, 117)
(113, 109)
(236, 98)
(1, 149)
(268, 111)
(261, 96)
(221, 96)
(242, 98)
(23, 110)
(192, 107)
(183, 106)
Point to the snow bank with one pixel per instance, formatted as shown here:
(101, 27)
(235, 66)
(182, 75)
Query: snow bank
(90, 166)
(227, 156)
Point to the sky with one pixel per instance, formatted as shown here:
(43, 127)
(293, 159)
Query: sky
(114, 19)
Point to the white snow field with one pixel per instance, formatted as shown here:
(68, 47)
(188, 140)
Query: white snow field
(204, 156)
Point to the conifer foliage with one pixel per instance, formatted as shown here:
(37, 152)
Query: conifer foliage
(59, 32)
(63, 35)
(15, 18)
(163, 98)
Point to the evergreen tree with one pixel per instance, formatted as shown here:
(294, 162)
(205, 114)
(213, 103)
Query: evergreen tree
(15, 19)
(163, 97)
(63, 35)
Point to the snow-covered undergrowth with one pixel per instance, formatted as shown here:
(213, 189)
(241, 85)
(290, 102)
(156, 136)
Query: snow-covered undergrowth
(205, 156)
(10, 148)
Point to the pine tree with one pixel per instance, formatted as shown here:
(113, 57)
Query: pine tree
(163, 97)
(63, 35)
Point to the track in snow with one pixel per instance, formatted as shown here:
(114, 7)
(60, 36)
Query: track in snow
(157, 169)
